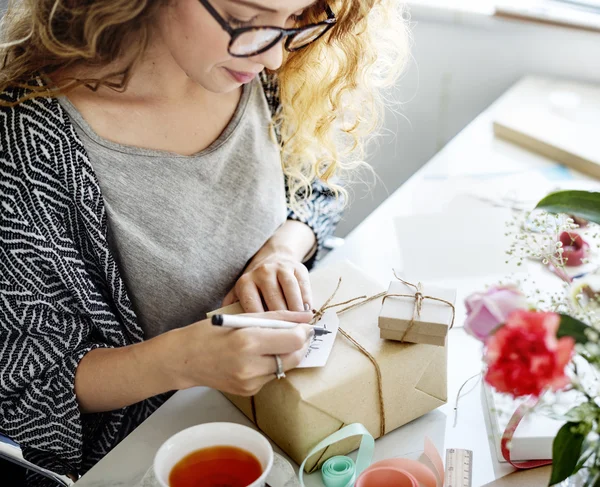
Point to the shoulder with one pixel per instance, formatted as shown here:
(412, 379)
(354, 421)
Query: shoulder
(38, 148)
(31, 112)
(35, 134)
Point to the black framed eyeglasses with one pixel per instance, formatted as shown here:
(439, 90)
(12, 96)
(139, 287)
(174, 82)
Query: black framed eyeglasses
(251, 41)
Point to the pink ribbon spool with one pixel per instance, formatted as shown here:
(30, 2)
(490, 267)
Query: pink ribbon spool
(402, 472)
(386, 477)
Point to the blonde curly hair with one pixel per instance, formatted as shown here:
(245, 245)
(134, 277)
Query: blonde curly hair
(331, 92)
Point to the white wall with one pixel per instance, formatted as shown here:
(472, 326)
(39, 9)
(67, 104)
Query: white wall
(461, 67)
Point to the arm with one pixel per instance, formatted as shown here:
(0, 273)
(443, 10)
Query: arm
(322, 213)
(293, 240)
(113, 378)
(72, 382)
(234, 361)
(277, 275)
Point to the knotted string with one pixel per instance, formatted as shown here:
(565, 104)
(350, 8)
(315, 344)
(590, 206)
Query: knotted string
(360, 301)
(318, 315)
(419, 298)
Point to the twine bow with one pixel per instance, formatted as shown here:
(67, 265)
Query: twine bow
(419, 298)
(318, 314)
(355, 303)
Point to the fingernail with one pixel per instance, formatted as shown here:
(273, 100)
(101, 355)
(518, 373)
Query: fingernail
(306, 307)
(311, 334)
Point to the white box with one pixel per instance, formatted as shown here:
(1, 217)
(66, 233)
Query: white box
(534, 435)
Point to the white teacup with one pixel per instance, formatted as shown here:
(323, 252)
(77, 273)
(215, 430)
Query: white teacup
(208, 435)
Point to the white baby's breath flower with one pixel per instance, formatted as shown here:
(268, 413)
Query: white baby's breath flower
(592, 335)
(592, 348)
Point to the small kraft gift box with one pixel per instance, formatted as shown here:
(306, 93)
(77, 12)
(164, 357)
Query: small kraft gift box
(416, 313)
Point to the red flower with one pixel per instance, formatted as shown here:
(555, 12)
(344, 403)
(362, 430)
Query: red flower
(525, 357)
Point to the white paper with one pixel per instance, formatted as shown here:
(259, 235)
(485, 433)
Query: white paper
(521, 191)
(456, 244)
(321, 346)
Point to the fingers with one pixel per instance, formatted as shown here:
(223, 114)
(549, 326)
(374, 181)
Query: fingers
(295, 316)
(269, 363)
(281, 287)
(230, 298)
(289, 361)
(272, 293)
(266, 341)
(303, 280)
(258, 370)
(291, 290)
(253, 363)
(248, 294)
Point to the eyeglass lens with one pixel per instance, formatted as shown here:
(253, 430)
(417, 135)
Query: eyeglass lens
(254, 41)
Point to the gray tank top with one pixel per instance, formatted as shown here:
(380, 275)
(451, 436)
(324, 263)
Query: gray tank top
(182, 228)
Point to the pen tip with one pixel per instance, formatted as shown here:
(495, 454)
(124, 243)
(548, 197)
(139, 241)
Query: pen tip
(217, 320)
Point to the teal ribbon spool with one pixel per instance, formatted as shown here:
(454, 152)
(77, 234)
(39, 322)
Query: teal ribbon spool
(339, 467)
(338, 472)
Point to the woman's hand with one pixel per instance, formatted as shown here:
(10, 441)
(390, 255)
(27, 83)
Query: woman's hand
(237, 361)
(281, 282)
(275, 278)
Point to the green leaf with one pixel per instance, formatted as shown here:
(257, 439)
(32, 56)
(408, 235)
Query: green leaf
(583, 204)
(566, 451)
(572, 327)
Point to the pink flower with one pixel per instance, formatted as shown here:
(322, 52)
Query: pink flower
(575, 249)
(485, 311)
(524, 356)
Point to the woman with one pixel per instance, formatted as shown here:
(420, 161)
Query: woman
(160, 159)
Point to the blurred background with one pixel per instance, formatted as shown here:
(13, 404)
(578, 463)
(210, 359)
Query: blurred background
(466, 53)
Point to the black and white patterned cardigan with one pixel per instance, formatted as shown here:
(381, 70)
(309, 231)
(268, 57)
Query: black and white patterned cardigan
(61, 292)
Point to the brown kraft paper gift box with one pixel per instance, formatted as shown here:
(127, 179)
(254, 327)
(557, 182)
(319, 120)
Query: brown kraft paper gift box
(430, 326)
(310, 404)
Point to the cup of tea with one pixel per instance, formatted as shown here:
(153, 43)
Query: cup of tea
(214, 454)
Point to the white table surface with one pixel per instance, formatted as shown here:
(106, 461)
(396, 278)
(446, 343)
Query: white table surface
(473, 155)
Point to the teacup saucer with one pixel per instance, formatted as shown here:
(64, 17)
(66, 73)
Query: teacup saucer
(282, 474)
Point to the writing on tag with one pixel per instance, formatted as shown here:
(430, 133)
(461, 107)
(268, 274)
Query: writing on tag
(320, 348)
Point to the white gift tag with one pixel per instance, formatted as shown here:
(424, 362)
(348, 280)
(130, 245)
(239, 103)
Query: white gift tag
(320, 347)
